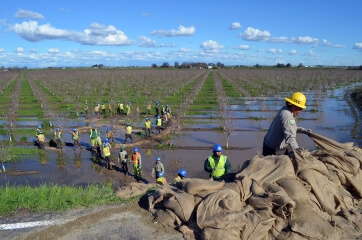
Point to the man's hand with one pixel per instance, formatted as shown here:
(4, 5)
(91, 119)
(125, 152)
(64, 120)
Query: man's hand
(305, 131)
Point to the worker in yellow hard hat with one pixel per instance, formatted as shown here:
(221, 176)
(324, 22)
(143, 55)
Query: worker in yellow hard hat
(281, 136)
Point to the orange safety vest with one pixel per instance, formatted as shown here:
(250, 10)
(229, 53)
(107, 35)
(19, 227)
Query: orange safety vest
(135, 158)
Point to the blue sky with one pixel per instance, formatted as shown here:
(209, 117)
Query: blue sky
(142, 32)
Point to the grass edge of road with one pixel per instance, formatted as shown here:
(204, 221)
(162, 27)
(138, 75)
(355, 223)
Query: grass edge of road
(55, 198)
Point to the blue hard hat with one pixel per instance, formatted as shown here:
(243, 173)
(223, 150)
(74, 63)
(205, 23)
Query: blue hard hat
(158, 116)
(217, 148)
(39, 126)
(158, 159)
(156, 102)
(161, 174)
(99, 133)
(57, 129)
(135, 149)
(74, 129)
(182, 172)
(147, 118)
(108, 130)
(107, 140)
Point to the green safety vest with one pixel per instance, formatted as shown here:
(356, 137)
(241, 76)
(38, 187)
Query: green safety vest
(93, 134)
(159, 122)
(220, 168)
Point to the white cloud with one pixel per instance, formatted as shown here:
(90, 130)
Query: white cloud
(96, 34)
(2, 50)
(274, 51)
(182, 31)
(243, 47)
(53, 50)
(185, 50)
(147, 42)
(19, 50)
(211, 45)
(253, 34)
(235, 25)
(167, 45)
(292, 52)
(306, 40)
(145, 14)
(357, 46)
(28, 14)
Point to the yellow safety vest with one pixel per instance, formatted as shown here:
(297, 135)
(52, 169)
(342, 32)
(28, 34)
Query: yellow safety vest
(220, 168)
(129, 130)
(148, 124)
(106, 151)
(41, 138)
(159, 122)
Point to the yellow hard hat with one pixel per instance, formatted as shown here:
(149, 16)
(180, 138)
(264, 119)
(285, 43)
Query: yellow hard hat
(298, 99)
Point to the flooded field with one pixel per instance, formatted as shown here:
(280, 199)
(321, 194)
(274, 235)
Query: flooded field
(191, 145)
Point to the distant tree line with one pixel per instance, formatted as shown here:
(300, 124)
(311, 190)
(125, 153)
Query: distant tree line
(199, 65)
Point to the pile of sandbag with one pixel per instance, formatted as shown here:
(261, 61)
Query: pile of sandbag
(312, 195)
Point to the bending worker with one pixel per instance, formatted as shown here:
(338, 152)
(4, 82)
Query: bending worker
(217, 164)
(281, 136)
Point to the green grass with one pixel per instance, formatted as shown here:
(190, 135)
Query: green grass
(53, 197)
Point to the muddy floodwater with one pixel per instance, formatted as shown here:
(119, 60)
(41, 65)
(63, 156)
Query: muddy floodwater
(334, 118)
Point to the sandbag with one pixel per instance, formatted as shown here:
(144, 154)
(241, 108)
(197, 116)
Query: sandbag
(198, 185)
(133, 189)
(295, 189)
(267, 169)
(182, 204)
(307, 223)
(217, 233)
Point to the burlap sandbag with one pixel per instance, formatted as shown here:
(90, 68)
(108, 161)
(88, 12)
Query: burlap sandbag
(216, 233)
(267, 169)
(182, 204)
(330, 197)
(167, 218)
(199, 185)
(241, 186)
(295, 189)
(307, 223)
(133, 189)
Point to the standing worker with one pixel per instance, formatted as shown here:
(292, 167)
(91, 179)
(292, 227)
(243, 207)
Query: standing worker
(109, 135)
(137, 164)
(128, 133)
(96, 109)
(157, 168)
(157, 108)
(281, 136)
(123, 158)
(121, 107)
(147, 127)
(58, 138)
(148, 109)
(128, 108)
(165, 120)
(99, 144)
(75, 137)
(158, 124)
(217, 164)
(107, 154)
(103, 108)
(93, 136)
(40, 140)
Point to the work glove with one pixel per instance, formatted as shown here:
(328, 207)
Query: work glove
(305, 131)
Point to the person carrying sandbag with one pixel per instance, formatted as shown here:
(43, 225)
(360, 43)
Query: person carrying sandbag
(281, 136)
(217, 164)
